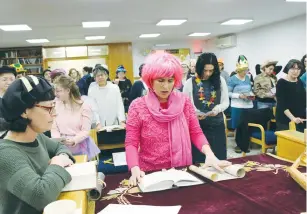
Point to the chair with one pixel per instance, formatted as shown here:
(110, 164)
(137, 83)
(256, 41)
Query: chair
(226, 129)
(106, 164)
(266, 139)
(93, 135)
(252, 130)
(272, 120)
(111, 140)
(292, 126)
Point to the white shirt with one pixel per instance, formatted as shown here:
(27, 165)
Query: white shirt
(109, 102)
(188, 90)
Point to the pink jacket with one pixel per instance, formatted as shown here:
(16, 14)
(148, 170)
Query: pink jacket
(147, 141)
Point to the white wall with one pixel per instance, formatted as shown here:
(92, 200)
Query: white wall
(139, 47)
(280, 41)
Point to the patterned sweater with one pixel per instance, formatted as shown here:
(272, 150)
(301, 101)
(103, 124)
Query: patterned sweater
(147, 140)
(27, 182)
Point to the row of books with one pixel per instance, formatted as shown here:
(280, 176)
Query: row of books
(30, 61)
(22, 61)
(20, 54)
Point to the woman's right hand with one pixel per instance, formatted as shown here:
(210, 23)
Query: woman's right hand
(298, 120)
(242, 96)
(136, 176)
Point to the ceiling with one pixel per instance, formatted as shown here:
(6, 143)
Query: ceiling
(60, 20)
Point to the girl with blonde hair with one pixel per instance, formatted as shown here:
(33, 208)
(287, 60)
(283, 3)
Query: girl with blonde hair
(73, 119)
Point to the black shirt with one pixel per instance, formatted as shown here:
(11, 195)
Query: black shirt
(291, 96)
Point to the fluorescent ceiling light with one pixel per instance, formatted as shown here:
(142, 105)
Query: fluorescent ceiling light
(162, 45)
(149, 35)
(96, 24)
(37, 40)
(15, 27)
(296, 1)
(237, 22)
(199, 34)
(95, 37)
(169, 22)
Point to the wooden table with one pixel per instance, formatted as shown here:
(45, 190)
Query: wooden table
(80, 197)
(290, 144)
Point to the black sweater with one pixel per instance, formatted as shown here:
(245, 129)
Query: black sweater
(291, 96)
(137, 90)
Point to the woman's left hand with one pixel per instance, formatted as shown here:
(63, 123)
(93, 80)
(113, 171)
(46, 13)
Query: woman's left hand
(123, 124)
(212, 160)
(212, 114)
(70, 142)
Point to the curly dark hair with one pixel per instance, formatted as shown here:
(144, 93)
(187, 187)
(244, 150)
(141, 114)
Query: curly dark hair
(205, 59)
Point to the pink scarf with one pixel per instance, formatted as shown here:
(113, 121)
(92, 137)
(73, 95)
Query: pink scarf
(178, 131)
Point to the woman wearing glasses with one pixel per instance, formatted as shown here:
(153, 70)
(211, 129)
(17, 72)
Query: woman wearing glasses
(32, 171)
(108, 99)
(162, 124)
(291, 98)
(74, 119)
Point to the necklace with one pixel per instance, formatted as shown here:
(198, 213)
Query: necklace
(201, 94)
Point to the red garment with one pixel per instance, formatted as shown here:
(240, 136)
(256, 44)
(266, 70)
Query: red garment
(164, 105)
(147, 140)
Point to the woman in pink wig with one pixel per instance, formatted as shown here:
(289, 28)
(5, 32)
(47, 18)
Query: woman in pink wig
(162, 124)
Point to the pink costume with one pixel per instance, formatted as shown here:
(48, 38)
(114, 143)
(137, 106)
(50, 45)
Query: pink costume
(76, 125)
(158, 138)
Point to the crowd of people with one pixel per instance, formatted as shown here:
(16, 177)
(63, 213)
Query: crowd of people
(173, 115)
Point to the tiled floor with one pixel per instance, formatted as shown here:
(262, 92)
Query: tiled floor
(231, 144)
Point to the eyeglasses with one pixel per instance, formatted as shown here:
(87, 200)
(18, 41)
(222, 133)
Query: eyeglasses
(50, 109)
(296, 69)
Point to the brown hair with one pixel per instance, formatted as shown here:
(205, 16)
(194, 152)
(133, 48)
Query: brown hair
(68, 83)
(78, 74)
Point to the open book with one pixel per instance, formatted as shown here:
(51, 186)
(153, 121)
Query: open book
(111, 128)
(234, 171)
(250, 96)
(164, 180)
(84, 176)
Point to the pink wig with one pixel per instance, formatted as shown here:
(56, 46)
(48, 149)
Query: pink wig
(162, 65)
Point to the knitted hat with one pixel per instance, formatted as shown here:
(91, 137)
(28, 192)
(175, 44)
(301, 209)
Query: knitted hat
(7, 69)
(242, 64)
(121, 68)
(23, 93)
(57, 72)
(18, 67)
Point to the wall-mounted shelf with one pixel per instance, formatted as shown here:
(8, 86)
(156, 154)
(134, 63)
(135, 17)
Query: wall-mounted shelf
(31, 58)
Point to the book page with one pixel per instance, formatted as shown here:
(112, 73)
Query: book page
(183, 178)
(111, 128)
(119, 159)
(156, 181)
(84, 176)
(139, 209)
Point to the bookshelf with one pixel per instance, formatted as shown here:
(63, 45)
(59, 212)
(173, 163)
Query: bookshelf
(31, 58)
